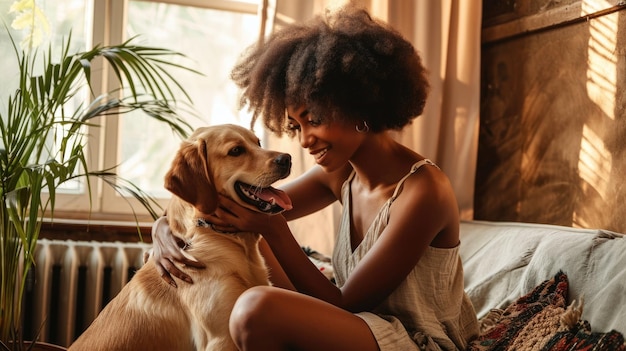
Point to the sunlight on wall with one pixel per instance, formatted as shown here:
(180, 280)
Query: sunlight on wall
(602, 60)
(594, 162)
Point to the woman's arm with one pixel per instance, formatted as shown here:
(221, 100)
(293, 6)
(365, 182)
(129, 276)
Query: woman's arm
(310, 192)
(425, 211)
(278, 277)
(314, 190)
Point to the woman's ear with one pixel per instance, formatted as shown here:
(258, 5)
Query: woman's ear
(190, 177)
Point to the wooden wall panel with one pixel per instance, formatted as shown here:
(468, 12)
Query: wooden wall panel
(552, 143)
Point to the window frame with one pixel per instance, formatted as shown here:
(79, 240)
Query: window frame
(108, 28)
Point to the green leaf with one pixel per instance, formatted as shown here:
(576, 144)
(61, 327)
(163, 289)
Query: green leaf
(43, 144)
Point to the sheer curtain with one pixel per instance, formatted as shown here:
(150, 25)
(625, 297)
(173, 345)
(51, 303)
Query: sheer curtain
(446, 33)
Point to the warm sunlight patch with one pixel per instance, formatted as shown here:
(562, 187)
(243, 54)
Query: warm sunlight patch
(594, 162)
(602, 60)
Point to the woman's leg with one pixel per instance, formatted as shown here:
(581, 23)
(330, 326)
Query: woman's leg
(270, 318)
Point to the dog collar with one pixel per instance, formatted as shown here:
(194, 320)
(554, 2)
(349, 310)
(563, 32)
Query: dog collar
(201, 222)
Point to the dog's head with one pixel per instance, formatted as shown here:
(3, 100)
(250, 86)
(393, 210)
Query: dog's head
(228, 159)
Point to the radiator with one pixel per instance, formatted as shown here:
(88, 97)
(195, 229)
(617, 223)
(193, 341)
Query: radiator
(71, 282)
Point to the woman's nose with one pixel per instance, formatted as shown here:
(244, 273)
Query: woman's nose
(306, 138)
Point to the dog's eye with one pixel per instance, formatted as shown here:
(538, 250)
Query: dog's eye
(293, 127)
(236, 151)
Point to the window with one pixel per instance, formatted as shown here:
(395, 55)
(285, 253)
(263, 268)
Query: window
(210, 33)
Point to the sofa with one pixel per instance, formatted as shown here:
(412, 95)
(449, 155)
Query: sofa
(518, 275)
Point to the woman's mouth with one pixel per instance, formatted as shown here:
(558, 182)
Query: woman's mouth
(319, 155)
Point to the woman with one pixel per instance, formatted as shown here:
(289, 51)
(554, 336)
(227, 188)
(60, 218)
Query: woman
(340, 83)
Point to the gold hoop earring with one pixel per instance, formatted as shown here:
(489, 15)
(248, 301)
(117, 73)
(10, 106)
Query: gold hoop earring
(363, 129)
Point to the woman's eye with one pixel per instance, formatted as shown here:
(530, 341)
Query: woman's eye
(236, 151)
(315, 121)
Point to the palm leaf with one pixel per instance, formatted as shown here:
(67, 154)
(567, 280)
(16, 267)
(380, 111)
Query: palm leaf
(43, 143)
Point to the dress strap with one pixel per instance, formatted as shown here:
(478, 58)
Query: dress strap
(351, 176)
(417, 165)
(345, 188)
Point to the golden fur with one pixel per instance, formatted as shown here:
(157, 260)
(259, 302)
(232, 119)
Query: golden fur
(150, 314)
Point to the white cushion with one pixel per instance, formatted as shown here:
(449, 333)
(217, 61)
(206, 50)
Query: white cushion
(504, 260)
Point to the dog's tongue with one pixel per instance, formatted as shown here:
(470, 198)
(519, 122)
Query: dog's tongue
(275, 196)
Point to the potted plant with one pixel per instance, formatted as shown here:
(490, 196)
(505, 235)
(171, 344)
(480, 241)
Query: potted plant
(43, 146)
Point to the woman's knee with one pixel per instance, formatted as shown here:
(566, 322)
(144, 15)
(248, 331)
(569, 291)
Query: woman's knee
(253, 312)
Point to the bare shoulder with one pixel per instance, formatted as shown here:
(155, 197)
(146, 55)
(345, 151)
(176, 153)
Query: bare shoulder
(428, 202)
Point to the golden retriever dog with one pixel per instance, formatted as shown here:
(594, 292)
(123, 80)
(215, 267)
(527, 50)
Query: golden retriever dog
(149, 313)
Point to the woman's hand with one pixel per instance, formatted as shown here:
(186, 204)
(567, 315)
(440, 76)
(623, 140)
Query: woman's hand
(167, 250)
(232, 217)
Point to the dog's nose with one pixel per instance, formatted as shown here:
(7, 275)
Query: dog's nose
(283, 161)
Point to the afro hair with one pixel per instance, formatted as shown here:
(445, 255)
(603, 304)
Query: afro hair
(340, 65)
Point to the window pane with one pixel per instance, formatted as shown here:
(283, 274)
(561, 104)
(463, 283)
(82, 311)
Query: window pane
(50, 26)
(35, 28)
(211, 40)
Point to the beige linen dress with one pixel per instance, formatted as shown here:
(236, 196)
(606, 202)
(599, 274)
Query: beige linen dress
(429, 310)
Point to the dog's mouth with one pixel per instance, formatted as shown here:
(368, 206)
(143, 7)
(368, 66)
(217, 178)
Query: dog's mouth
(266, 200)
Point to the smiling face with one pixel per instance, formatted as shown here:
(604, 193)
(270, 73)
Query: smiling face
(228, 159)
(331, 143)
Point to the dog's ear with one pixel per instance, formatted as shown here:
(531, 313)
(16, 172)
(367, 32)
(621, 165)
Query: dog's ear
(190, 177)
